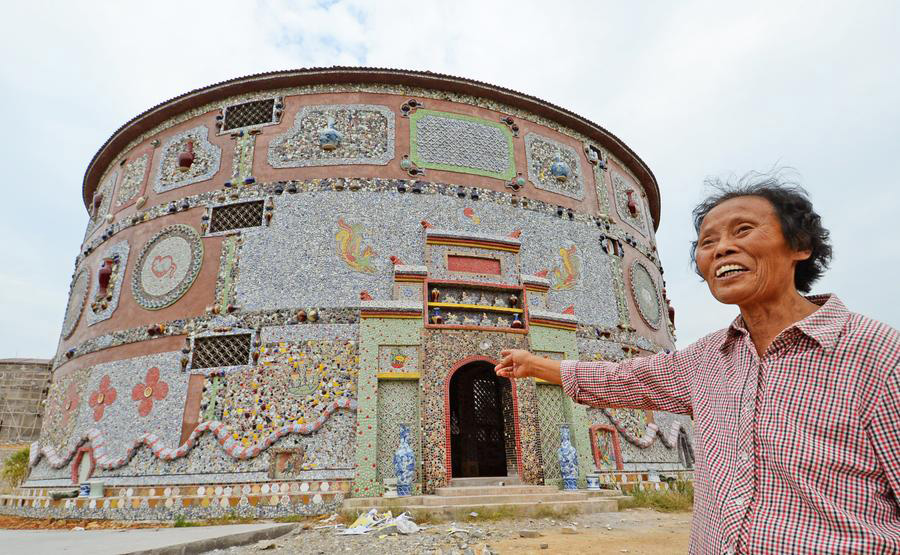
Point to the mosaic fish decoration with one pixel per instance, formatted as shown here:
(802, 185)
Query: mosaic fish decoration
(349, 247)
(566, 276)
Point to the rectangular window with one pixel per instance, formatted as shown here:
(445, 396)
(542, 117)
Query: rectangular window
(236, 216)
(257, 112)
(221, 350)
(473, 264)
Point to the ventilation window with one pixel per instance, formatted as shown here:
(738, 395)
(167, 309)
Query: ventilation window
(222, 350)
(258, 112)
(236, 216)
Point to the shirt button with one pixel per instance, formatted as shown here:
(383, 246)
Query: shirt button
(745, 456)
(739, 501)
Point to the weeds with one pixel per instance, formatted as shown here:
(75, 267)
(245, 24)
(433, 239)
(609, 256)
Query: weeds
(679, 498)
(15, 467)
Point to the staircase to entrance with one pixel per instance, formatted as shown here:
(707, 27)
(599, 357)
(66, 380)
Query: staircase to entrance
(504, 496)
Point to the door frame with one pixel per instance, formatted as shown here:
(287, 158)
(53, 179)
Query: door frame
(515, 401)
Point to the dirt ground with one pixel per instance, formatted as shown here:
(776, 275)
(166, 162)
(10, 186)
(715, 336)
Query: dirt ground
(21, 523)
(632, 531)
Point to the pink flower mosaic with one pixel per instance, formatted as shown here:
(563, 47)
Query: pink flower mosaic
(152, 389)
(102, 398)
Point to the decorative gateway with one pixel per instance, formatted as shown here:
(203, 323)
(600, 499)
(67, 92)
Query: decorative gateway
(321, 316)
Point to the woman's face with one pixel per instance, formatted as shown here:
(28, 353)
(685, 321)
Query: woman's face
(743, 254)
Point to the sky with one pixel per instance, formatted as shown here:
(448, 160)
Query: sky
(697, 89)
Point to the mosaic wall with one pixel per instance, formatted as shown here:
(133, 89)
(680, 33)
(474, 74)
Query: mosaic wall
(442, 350)
(336, 134)
(638, 219)
(646, 295)
(292, 383)
(551, 417)
(64, 404)
(437, 265)
(606, 450)
(77, 293)
(398, 403)
(554, 166)
(454, 142)
(132, 180)
(101, 203)
(268, 274)
(102, 306)
(273, 265)
(398, 358)
(149, 398)
(374, 335)
(166, 267)
(242, 161)
(206, 160)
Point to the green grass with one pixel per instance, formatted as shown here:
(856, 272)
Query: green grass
(680, 498)
(15, 467)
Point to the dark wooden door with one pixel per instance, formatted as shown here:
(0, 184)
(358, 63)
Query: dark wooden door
(477, 446)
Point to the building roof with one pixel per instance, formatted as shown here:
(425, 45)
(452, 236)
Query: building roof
(344, 75)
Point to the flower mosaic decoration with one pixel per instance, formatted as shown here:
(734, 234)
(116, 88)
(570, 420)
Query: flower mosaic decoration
(63, 402)
(293, 383)
(152, 389)
(349, 247)
(102, 398)
(568, 274)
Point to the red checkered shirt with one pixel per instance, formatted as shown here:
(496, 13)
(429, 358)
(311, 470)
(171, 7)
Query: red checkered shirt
(797, 451)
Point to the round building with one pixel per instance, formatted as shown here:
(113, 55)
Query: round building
(283, 273)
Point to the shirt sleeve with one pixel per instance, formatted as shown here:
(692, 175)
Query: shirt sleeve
(658, 382)
(884, 431)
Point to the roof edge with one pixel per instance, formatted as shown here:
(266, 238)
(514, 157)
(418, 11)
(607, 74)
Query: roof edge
(342, 74)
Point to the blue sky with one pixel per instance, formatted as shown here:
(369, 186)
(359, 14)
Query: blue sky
(697, 89)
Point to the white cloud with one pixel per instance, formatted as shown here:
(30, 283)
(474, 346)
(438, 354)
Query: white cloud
(694, 88)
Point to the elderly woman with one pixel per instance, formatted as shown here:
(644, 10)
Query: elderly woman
(796, 404)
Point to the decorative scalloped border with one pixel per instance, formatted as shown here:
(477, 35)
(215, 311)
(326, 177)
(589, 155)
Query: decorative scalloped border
(656, 322)
(219, 429)
(653, 432)
(179, 290)
(68, 328)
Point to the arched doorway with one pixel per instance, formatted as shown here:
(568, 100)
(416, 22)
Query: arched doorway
(482, 427)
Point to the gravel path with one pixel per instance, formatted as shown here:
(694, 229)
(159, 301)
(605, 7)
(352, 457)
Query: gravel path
(633, 531)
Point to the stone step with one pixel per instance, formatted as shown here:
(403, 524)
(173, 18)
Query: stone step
(493, 490)
(421, 513)
(486, 481)
(435, 500)
(366, 503)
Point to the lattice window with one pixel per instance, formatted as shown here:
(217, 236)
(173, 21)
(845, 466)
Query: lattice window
(236, 216)
(221, 350)
(258, 112)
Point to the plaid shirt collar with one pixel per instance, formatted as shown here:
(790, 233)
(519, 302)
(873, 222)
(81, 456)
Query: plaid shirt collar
(823, 326)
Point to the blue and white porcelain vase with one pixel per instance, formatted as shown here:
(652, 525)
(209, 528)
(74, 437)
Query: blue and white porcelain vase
(329, 137)
(568, 460)
(404, 463)
(559, 169)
